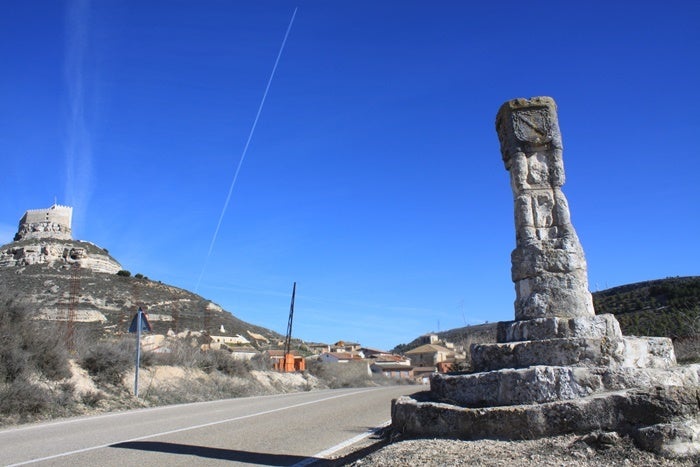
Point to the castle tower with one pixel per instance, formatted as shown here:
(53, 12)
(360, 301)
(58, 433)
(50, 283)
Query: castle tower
(53, 222)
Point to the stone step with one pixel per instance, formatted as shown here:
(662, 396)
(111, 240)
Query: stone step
(596, 327)
(540, 384)
(630, 412)
(638, 352)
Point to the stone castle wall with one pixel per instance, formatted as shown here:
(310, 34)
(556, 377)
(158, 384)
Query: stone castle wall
(53, 222)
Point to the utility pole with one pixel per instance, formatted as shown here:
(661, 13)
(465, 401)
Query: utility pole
(288, 357)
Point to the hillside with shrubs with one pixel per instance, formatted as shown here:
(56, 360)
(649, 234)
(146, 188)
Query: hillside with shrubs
(43, 375)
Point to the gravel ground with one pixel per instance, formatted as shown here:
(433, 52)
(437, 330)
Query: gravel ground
(569, 450)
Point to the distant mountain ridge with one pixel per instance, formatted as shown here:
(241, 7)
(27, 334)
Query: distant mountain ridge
(667, 307)
(664, 307)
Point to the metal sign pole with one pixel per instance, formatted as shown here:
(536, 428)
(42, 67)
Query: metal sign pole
(138, 352)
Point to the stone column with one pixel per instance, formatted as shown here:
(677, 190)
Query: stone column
(548, 265)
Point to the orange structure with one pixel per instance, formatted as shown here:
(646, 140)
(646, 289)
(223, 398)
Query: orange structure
(289, 362)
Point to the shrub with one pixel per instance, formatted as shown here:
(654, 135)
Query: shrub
(107, 362)
(49, 354)
(24, 398)
(123, 273)
(28, 346)
(92, 398)
(218, 360)
(341, 375)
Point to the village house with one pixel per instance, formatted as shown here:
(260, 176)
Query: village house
(430, 355)
(339, 357)
(219, 342)
(393, 371)
(342, 346)
(430, 338)
(318, 348)
(387, 359)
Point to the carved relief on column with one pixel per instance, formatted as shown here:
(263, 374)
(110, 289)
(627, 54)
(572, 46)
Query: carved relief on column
(548, 264)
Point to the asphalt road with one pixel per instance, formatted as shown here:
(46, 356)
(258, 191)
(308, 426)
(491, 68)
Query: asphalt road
(288, 429)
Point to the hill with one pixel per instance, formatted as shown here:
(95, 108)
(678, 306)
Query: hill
(665, 307)
(105, 303)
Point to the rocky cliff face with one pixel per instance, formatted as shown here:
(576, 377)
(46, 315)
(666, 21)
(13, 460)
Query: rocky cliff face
(58, 253)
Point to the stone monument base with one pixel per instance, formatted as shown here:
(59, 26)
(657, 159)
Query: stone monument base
(585, 377)
(662, 419)
(558, 368)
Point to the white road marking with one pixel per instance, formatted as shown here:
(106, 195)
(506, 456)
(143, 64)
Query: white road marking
(203, 425)
(338, 447)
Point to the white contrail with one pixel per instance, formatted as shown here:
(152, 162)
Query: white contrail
(245, 150)
(78, 148)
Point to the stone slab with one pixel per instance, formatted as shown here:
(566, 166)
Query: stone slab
(596, 327)
(515, 386)
(540, 384)
(625, 412)
(653, 352)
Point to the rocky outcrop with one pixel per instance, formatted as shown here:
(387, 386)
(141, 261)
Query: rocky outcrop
(558, 368)
(59, 254)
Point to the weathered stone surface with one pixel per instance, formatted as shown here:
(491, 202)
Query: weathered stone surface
(628, 377)
(675, 439)
(57, 253)
(648, 352)
(598, 326)
(622, 411)
(548, 265)
(538, 384)
(652, 352)
(535, 384)
(53, 222)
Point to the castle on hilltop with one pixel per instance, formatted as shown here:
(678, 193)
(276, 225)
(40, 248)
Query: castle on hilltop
(53, 222)
(44, 237)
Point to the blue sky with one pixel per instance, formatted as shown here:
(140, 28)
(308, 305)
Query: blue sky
(373, 177)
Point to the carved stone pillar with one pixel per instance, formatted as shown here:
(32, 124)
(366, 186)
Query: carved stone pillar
(548, 265)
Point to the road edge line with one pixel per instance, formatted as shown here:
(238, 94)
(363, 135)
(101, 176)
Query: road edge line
(340, 446)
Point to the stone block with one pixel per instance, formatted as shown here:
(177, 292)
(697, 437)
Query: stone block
(596, 327)
(621, 411)
(551, 352)
(633, 352)
(675, 439)
(629, 377)
(648, 352)
(514, 387)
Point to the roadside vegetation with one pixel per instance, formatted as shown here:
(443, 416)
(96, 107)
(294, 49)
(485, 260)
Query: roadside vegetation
(44, 375)
(34, 368)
